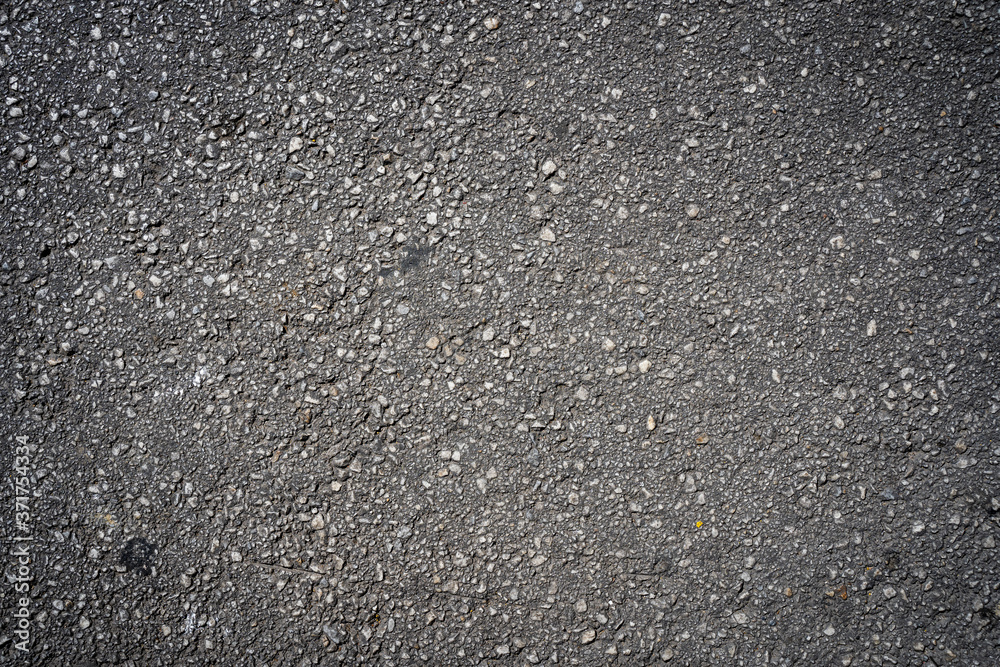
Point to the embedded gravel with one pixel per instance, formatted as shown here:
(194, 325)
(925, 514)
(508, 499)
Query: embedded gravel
(457, 333)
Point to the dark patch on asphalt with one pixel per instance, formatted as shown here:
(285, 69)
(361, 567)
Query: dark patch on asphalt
(138, 556)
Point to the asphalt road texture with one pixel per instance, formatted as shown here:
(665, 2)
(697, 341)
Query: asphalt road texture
(562, 333)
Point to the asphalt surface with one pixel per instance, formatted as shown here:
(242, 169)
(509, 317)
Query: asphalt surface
(562, 333)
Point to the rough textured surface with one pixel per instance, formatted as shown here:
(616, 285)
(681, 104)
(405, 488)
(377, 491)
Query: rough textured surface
(562, 333)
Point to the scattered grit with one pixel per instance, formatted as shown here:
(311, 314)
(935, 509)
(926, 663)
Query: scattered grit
(562, 333)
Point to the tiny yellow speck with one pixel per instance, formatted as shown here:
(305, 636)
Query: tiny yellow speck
(698, 524)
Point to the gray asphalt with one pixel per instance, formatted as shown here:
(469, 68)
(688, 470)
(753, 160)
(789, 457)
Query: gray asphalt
(563, 333)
